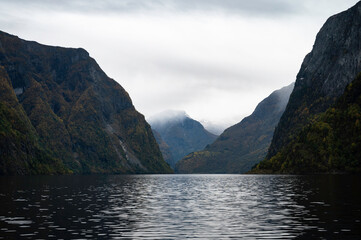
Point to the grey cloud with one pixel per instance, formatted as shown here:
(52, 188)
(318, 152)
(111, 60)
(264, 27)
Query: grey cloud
(206, 73)
(254, 7)
(166, 116)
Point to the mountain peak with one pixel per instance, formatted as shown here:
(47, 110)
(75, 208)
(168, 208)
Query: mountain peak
(84, 120)
(325, 72)
(242, 145)
(180, 133)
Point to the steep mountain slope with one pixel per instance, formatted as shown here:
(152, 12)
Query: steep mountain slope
(181, 133)
(241, 146)
(79, 115)
(19, 144)
(333, 63)
(164, 148)
(330, 143)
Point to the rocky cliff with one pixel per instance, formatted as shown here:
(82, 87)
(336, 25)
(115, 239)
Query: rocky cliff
(243, 145)
(334, 62)
(77, 114)
(20, 150)
(331, 142)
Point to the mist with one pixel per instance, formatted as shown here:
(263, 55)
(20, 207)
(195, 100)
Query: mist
(167, 116)
(216, 60)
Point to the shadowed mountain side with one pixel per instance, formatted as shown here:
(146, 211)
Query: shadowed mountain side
(164, 148)
(330, 143)
(333, 63)
(20, 150)
(243, 145)
(79, 115)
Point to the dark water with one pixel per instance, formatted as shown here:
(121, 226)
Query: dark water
(180, 206)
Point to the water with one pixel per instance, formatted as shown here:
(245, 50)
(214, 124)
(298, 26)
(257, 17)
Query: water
(180, 206)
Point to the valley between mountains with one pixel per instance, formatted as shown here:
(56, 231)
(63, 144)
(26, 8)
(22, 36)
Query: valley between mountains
(61, 114)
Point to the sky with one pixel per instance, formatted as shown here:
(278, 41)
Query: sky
(214, 59)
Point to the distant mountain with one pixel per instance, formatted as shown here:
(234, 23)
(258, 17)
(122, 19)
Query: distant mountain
(331, 142)
(181, 133)
(60, 113)
(243, 145)
(325, 72)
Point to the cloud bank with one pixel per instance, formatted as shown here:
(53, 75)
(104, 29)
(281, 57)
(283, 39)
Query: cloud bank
(215, 59)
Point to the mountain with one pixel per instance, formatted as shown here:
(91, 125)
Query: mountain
(61, 113)
(333, 63)
(243, 145)
(331, 142)
(325, 72)
(164, 148)
(20, 149)
(181, 133)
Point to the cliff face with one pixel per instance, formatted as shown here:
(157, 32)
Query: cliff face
(181, 134)
(243, 145)
(20, 151)
(80, 116)
(334, 62)
(331, 142)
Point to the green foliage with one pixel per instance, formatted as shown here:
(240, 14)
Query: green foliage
(70, 115)
(20, 152)
(330, 143)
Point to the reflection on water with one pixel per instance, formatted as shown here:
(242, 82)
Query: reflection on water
(180, 206)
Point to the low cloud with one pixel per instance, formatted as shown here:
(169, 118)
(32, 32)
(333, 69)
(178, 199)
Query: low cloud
(255, 7)
(214, 59)
(167, 116)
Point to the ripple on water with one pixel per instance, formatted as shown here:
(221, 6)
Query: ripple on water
(178, 207)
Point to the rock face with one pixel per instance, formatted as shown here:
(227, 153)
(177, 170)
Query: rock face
(20, 150)
(331, 142)
(79, 116)
(181, 133)
(333, 63)
(243, 145)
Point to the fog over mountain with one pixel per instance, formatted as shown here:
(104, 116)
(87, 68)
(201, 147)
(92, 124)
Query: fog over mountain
(165, 117)
(201, 56)
(243, 145)
(178, 135)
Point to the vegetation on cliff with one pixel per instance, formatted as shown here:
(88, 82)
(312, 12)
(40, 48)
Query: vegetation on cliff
(78, 115)
(331, 142)
(325, 72)
(20, 150)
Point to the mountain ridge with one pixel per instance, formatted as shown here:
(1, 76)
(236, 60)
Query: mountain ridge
(242, 145)
(180, 133)
(331, 142)
(79, 114)
(325, 72)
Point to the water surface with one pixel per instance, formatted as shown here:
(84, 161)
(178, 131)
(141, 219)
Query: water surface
(180, 206)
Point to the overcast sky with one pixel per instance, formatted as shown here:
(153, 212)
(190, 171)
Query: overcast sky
(215, 59)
